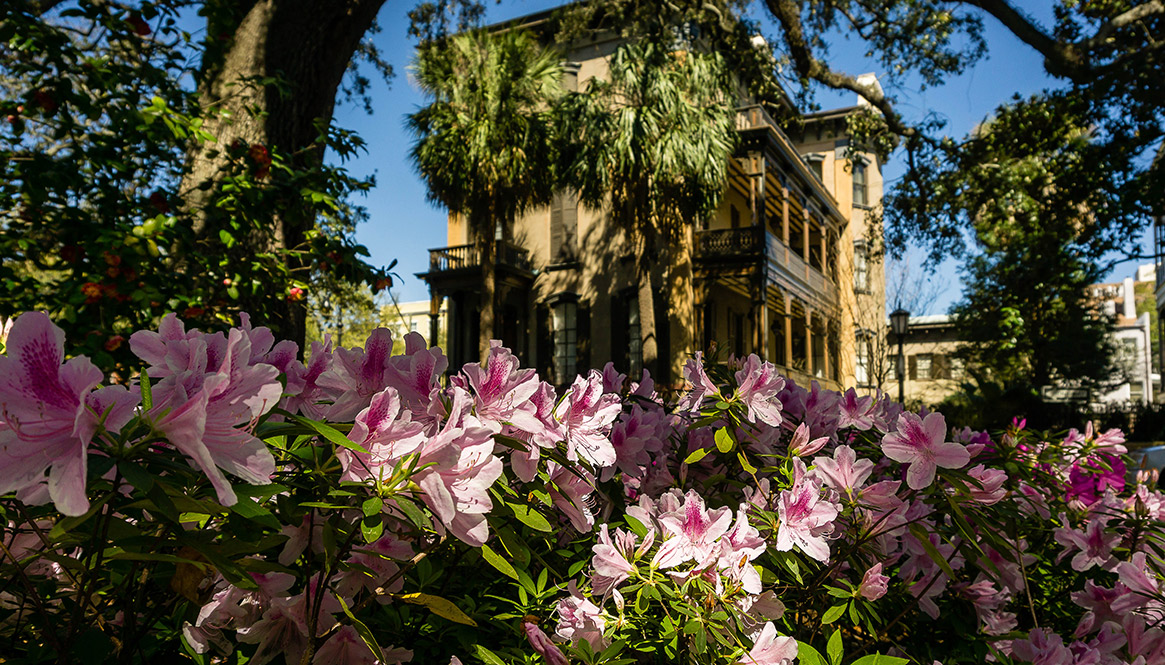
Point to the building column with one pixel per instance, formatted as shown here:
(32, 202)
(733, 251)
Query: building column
(805, 233)
(788, 331)
(757, 181)
(785, 212)
(808, 342)
(761, 318)
(434, 318)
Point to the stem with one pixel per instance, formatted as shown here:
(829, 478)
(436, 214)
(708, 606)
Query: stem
(49, 635)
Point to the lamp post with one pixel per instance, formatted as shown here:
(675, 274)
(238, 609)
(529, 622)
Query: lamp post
(899, 322)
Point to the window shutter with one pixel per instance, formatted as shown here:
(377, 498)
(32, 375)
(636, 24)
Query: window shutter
(569, 226)
(912, 367)
(557, 230)
(939, 368)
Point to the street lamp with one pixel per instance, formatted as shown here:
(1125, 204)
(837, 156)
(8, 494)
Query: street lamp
(899, 322)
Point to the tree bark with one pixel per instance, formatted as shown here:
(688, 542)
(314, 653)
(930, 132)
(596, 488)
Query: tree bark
(307, 45)
(649, 342)
(487, 245)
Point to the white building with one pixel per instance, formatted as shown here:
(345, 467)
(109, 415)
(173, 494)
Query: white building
(1133, 337)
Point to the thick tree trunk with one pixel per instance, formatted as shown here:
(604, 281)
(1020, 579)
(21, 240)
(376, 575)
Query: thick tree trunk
(307, 45)
(682, 308)
(487, 245)
(649, 342)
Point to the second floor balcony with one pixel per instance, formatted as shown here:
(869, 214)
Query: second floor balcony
(756, 246)
(465, 257)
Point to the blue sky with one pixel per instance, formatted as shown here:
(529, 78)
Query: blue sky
(404, 226)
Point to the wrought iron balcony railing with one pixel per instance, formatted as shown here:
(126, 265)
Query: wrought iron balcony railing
(730, 243)
(461, 257)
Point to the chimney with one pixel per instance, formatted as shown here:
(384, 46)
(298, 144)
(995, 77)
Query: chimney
(1130, 299)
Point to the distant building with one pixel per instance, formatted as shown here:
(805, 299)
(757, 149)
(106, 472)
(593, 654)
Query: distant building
(405, 317)
(933, 372)
(1133, 336)
(782, 269)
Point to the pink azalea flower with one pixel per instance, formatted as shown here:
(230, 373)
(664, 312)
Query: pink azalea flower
(586, 414)
(346, 647)
(1094, 545)
(500, 388)
(805, 520)
(738, 548)
(757, 386)
(702, 386)
(1043, 647)
(1143, 584)
(357, 374)
(417, 372)
(541, 643)
(456, 486)
(612, 560)
(922, 444)
(613, 379)
(303, 394)
(542, 431)
(210, 394)
(580, 619)
(769, 649)
(874, 584)
(635, 437)
(992, 480)
(844, 471)
(49, 413)
(570, 491)
(801, 446)
(856, 412)
(694, 531)
(386, 433)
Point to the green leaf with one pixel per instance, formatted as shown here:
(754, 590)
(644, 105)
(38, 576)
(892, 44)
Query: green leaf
(439, 606)
(136, 475)
(365, 634)
(494, 559)
(879, 659)
(249, 509)
(635, 525)
(833, 613)
(372, 506)
(147, 391)
(330, 433)
(530, 517)
(415, 515)
(487, 656)
(833, 648)
(697, 455)
(371, 528)
(724, 441)
(807, 655)
(744, 463)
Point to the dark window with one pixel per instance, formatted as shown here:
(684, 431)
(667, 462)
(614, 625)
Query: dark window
(861, 197)
(734, 217)
(634, 338)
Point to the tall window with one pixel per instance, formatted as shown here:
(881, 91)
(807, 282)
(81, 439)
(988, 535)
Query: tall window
(634, 339)
(923, 367)
(861, 197)
(816, 165)
(864, 356)
(861, 267)
(564, 315)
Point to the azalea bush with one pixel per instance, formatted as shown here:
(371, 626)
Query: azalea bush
(234, 504)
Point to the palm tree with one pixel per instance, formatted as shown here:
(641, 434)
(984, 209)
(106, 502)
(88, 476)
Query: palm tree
(653, 142)
(485, 144)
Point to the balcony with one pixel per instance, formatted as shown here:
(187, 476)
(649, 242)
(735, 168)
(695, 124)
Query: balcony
(466, 257)
(786, 268)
